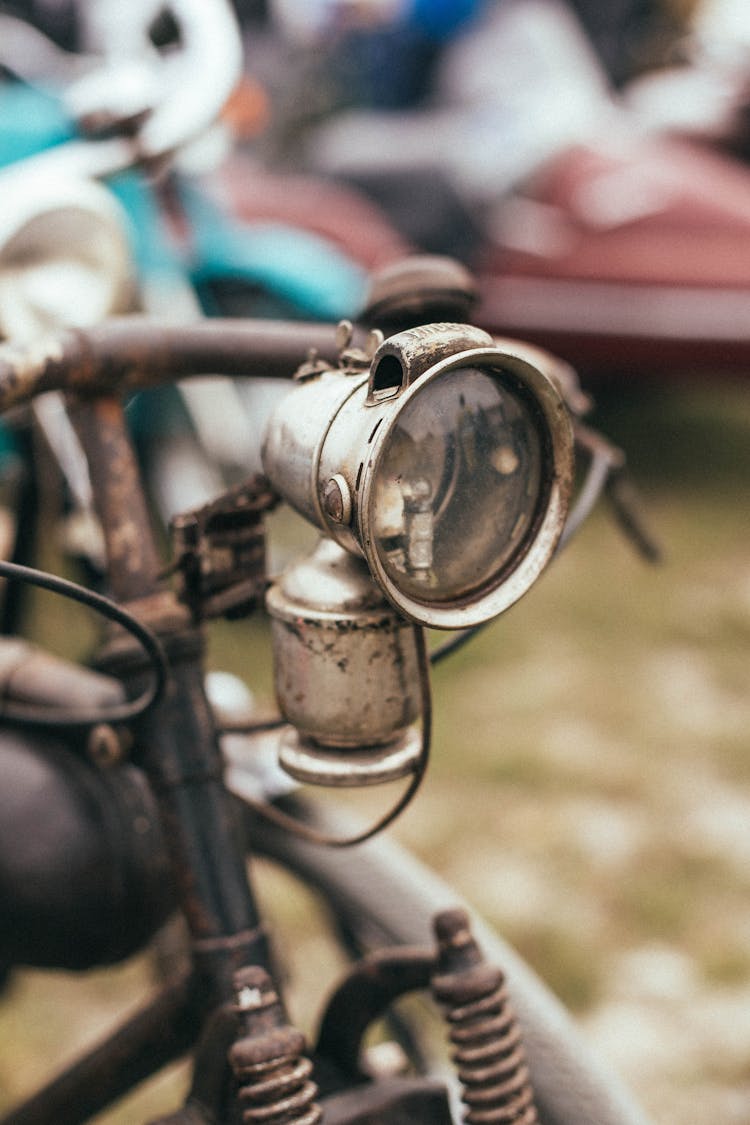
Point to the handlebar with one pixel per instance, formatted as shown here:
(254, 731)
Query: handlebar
(132, 353)
(129, 354)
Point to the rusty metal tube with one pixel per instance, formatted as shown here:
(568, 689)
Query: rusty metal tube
(132, 353)
(177, 743)
(133, 563)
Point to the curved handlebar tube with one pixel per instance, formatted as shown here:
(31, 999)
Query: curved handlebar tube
(133, 353)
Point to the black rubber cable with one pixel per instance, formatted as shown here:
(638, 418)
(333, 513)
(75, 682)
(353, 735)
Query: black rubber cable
(119, 713)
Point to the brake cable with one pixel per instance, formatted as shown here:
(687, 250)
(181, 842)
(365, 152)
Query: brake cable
(65, 718)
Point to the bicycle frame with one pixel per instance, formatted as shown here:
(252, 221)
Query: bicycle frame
(178, 750)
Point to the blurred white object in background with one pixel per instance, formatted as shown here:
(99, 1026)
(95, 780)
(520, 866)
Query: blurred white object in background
(310, 21)
(702, 96)
(519, 85)
(179, 92)
(64, 255)
(722, 28)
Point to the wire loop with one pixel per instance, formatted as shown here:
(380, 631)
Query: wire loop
(126, 712)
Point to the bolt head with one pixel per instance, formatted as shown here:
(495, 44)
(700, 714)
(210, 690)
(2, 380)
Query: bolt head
(337, 500)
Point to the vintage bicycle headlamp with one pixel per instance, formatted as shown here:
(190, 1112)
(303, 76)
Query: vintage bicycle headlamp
(446, 461)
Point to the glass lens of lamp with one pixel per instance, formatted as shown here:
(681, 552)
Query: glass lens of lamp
(459, 485)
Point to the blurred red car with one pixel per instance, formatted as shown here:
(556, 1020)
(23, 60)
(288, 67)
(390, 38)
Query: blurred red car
(630, 261)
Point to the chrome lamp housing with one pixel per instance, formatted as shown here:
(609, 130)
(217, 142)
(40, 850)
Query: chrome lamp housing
(446, 461)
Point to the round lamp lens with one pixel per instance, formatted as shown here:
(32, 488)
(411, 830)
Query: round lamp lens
(458, 487)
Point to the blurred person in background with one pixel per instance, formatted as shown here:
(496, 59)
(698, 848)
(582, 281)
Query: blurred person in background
(442, 108)
(434, 109)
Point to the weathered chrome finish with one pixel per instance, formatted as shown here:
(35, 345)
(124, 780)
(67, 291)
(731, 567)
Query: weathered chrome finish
(312, 764)
(293, 441)
(401, 359)
(346, 672)
(328, 447)
(512, 580)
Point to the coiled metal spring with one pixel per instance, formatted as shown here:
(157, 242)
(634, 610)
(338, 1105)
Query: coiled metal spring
(274, 1076)
(489, 1054)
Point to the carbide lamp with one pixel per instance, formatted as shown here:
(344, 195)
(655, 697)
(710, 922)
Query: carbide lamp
(445, 461)
(438, 469)
(346, 673)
